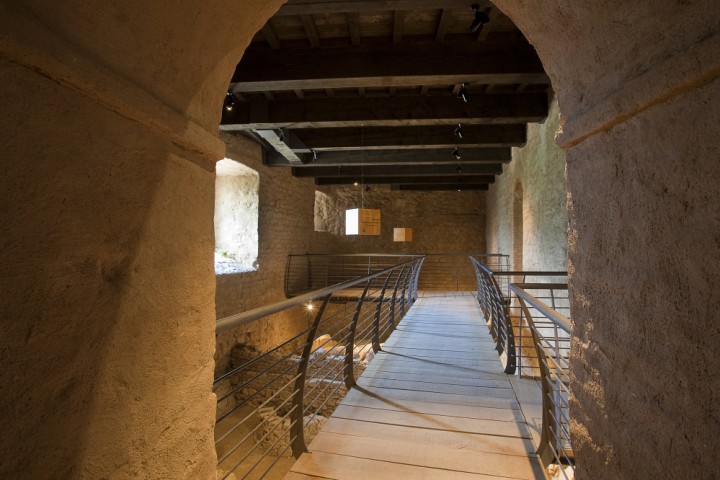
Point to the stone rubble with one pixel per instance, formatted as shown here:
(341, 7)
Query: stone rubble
(267, 385)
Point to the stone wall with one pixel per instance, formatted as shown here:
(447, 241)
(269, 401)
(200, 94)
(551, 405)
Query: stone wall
(640, 101)
(442, 222)
(285, 226)
(533, 184)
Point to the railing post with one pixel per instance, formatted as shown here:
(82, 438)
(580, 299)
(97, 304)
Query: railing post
(297, 430)
(404, 290)
(376, 321)
(392, 300)
(350, 345)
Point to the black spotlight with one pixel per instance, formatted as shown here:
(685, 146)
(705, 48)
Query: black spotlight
(458, 169)
(229, 102)
(481, 18)
(462, 93)
(456, 153)
(459, 131)
(367, 188)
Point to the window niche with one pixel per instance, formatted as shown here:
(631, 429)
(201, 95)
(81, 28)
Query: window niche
(236, 217)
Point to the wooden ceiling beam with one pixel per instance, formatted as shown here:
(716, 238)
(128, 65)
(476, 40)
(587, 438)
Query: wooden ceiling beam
(398, 24)
(378, 138)
(394, 111)
(443, 187)
(407, 180)
(355, 171)
(442, 25)
(400, 65)
(300, 7)
(354, 27)
(310, 30)
(395, 157)
(271, 35)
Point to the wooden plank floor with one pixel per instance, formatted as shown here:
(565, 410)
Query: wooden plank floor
(431, 405)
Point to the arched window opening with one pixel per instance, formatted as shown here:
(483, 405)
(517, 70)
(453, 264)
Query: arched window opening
(517, 217)
(236, 217)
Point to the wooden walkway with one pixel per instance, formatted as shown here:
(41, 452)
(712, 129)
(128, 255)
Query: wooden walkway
(431, 405)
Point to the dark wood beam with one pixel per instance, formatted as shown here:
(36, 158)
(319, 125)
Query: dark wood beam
(398, 23)
(442, 25)
(354, 26)
(398, 170)
(270, 35)
(492, 14)
(403, 65)
(395, 157)
(310, 30)
(374, 138)
(284, 142)
(394, 111)
(300, 7)
(470, 179)
(441, 188)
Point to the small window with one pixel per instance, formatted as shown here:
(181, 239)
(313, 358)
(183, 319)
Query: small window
(236, 217)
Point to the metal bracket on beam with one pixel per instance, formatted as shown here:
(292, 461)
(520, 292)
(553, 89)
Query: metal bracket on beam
(286, 144)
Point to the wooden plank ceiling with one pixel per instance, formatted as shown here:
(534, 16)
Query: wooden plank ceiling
(391, 92)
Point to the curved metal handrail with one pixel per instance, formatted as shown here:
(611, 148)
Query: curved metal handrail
(552, 349)
(271, 403)
(233, 321)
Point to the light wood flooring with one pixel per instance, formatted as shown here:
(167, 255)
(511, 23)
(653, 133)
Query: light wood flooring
(431, 405)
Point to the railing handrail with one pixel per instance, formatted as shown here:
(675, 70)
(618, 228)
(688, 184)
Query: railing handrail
(551, 314)
(355, 255)
(239, 319)
(518, 273)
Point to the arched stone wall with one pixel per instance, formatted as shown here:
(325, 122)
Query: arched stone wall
(109, 115)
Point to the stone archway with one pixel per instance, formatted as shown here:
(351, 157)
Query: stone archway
(110, 117)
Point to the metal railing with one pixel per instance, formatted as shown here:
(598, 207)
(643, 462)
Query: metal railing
(440, 272)
(311, 271)
(513, 340)
(451, 272)
(551, 331)
(271, 404)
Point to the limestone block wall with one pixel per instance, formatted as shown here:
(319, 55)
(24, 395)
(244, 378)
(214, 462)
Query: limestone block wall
(531, 191)
(442, 222)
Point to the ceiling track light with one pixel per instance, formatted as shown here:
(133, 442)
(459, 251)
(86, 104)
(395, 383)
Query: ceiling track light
(462, 94)
(458, 169)
(456, 153)
(314, 155)
(481, 18)
(229, 102)
(459, 131)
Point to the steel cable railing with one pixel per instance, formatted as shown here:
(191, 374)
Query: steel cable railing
(551, 333)
(512, 339)
(271, 404)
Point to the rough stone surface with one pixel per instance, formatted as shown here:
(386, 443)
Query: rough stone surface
(644, 249)
(285, 226)
(107, 281)
(539, 168)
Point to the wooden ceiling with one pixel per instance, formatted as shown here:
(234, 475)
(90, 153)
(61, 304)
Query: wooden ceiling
(370, 91)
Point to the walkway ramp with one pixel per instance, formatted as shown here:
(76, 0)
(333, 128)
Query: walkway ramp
(431, 405)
